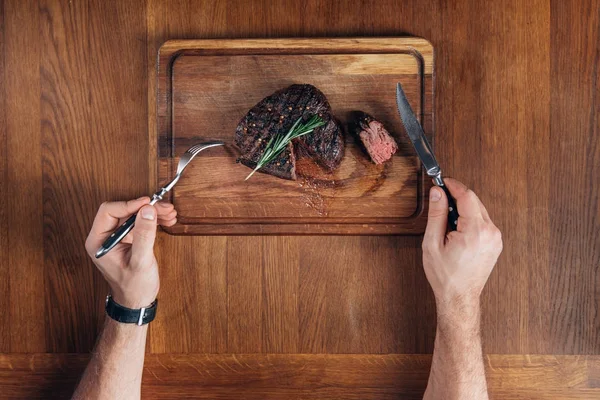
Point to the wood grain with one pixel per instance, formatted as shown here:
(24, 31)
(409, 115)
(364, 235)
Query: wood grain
(197, 306)
(511, 67)
(298, 376)
(245, 257)
(368, 309)
(516, 106)
(574, 134)
(26, 281)
(198, 98)
(303, 301)
(533, 326)
(77, 96)
(4, 262)
(66, 111)
(281, 324)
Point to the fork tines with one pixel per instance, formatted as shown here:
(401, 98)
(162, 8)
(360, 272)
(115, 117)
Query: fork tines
(195, 149)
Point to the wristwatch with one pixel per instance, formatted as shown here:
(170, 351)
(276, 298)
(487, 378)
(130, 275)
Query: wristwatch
(140, 316)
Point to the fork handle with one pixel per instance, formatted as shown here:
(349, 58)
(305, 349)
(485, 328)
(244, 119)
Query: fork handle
(116, 236)
(126, 227)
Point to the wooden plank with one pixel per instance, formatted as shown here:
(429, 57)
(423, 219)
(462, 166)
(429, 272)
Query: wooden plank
(313, 292)
(513, 76)
(295, 376)
(574, 141)
(25, 256)
(64, 31)
(245, 294)
(415, 305)
(280, 295)
(4, 264)
(533, 296)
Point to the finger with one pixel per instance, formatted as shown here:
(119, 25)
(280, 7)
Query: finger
(167, 217)
(144, 234)
(109, 213)
(168, 223)
(437, 220)
(161, 215)
(128, 238)
(109, 216)
(163, 208)
(462, 186)
(467, 202)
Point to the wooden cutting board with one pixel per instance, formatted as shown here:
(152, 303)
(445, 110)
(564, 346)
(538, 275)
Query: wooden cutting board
(205, 87)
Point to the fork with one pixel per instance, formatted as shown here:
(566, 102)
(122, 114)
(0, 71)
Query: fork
(128, 225)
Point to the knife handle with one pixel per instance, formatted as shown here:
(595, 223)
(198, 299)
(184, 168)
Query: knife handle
(452, 211)
(116, 236)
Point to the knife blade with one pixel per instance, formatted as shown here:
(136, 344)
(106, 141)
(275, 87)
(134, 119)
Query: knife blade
(423, 148)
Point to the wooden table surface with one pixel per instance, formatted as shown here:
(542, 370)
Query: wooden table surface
(517, 105)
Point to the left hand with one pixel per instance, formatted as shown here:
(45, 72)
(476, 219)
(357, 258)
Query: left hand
(130, 268)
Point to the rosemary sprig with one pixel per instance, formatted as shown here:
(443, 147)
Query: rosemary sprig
(279, 142)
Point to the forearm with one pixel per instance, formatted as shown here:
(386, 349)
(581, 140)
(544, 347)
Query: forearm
(115, 370)
(457, 368)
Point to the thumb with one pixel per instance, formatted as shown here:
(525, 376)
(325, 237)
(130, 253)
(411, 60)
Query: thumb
(437, 219)
(144, 233)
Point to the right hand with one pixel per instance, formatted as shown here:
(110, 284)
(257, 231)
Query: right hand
(458, 264)
(130, 268)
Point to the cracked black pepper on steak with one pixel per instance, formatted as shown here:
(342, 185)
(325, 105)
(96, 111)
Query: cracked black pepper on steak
(275, 115)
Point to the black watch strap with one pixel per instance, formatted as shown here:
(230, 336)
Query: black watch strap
(140, 316)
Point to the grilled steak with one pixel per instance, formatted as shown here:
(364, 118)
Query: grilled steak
(275, 115)
(376, 140)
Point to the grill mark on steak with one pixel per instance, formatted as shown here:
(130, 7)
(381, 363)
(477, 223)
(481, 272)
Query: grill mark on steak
(266, 124)
(254, 132)
(325, 145)
(327, 150)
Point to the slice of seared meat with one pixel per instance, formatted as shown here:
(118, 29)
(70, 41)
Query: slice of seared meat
(376, 140)
(275, 115)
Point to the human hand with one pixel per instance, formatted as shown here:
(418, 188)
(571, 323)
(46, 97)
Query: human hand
(130, 268)
(458, 264)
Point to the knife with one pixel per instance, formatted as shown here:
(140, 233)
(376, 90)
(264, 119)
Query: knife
(423, 149)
